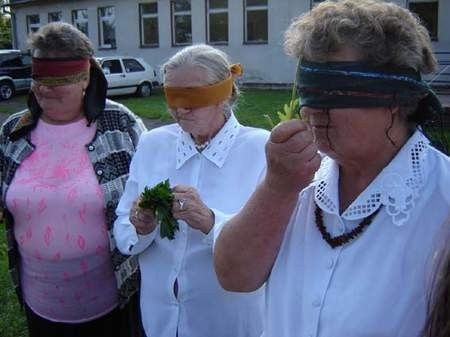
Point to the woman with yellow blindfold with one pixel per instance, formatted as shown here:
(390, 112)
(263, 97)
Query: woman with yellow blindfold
(213, 164)
(64, 163)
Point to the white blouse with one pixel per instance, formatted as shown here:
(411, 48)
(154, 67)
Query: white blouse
(378, 284)
(225, 174)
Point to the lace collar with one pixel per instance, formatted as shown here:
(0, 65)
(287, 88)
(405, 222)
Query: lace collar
(216, 151)
(396, 187)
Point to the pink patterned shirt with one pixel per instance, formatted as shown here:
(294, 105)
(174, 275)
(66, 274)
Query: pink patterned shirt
(59, 217)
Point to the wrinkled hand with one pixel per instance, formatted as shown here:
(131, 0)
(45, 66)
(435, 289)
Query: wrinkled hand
(292, 156)
(142, 219)
(188, 206)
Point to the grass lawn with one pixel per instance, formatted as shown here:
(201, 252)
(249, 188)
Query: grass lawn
(12, 320)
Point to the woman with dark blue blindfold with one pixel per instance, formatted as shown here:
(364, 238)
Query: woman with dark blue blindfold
(344, 226)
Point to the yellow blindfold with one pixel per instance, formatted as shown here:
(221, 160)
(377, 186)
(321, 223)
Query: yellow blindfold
(198, 97)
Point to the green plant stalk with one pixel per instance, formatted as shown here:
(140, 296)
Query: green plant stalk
(290, 111)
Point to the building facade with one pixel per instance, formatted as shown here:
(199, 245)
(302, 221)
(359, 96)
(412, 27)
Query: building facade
(250, 31)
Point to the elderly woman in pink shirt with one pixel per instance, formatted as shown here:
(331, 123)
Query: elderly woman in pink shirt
(64, 162)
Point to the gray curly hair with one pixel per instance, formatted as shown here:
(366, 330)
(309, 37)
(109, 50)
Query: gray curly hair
(382, 33)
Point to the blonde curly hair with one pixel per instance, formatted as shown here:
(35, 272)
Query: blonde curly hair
(382, 33)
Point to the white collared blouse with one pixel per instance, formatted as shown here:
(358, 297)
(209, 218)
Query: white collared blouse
(378, 284)
(225, 174)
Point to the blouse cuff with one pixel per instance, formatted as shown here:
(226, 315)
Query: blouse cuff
(220, 218)
(140, 242)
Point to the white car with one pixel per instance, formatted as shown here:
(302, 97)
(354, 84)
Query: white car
(128, 75)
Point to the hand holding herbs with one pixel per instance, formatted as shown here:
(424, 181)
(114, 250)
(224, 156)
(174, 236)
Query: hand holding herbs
(159, 199)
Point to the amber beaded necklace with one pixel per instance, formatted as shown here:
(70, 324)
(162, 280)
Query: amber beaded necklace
(344, 238)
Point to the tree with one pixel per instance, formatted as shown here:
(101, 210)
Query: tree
(5, 29)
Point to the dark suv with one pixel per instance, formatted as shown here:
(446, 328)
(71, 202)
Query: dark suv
(15, 72)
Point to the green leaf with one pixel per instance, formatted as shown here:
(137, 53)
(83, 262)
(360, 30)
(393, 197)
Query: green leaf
(159, 199)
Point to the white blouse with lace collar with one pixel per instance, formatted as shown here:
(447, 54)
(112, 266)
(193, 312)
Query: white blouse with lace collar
(378, 283)
(225, 174)
(217, 149)
(397, 186)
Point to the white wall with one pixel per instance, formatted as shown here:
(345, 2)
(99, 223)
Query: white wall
(263, 63)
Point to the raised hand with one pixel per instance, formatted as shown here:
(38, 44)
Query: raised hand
(292, 156)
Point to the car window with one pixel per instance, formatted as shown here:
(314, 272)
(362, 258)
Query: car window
(132, 65)
(26, 60)
(13, 60)
(112, 67)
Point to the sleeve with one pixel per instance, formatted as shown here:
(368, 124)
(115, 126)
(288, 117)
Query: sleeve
(220, 218)
(128, 241)
(4, 132)
(137, 126)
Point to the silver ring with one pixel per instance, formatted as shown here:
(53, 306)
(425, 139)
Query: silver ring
(181, 203)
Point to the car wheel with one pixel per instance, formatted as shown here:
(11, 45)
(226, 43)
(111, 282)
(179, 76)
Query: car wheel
(6, 90)
(144, 90)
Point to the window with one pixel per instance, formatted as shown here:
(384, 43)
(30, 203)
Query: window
(217, 21)
(181, 22)
(33, 23)
(315, 2)
(427, 11)
(112, 67)
(10, 60)
(107, 27)
(256, 21)
(149, 24)
(132, 66)
(54, 17)
(80, 20)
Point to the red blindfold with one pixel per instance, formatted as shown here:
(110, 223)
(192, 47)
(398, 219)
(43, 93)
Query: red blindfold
(51, 71)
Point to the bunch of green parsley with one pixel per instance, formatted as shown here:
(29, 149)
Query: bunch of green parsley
(159, 199)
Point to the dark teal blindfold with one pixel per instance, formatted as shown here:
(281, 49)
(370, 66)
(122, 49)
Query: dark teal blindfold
(357, 85)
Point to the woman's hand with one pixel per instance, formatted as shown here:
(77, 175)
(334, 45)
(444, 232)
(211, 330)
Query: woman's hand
(142, 219)
(292, 156)
(188, 206)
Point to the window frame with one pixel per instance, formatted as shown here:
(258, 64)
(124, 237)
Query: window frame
(255, 8)
(77, 21)
(208, 23)
(434, 35)
(100, 20)
(173, 14)
(314, 3)
(141, 25)
(30, 26)
(59, 13)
